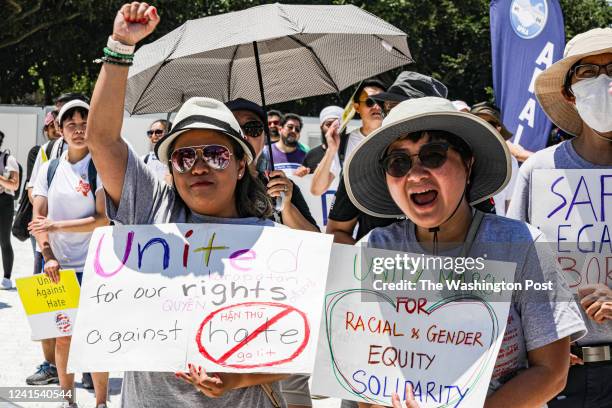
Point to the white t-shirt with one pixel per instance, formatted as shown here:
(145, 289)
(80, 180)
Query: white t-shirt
(160, 169)
(11, 165)
(68, 198)
(505, 195)
(354, 138)
(55, 152)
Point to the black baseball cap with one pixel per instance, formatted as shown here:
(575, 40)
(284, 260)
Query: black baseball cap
(244, 104)
(410, 85)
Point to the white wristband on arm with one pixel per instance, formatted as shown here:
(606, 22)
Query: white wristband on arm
(119, 47)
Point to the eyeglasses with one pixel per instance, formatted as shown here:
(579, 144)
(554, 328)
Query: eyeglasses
(431, 155)
(369, 102)
(294, 128)
(253, 128)
(588, 71)
(156, 132)
(216, 157)
(273, 122)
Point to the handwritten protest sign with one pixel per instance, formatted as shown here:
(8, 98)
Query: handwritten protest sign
(51, 307)
(372, 342)
(319, 205)
(230, 298)
(574, 209)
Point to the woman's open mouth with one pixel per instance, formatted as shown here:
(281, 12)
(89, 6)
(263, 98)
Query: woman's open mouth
(424, 198)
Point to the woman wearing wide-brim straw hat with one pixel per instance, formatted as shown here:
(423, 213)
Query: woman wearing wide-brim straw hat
(575, 93)
(431, 164)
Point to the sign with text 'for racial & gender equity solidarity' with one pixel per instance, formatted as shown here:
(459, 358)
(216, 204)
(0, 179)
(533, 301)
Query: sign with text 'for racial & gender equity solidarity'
(229, 298)
(51, 307)
(574, 210)
(373, 342)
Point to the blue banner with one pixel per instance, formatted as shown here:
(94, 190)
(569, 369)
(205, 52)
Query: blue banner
(527, 36)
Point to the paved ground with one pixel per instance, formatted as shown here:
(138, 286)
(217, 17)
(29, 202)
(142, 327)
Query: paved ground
(19, 356)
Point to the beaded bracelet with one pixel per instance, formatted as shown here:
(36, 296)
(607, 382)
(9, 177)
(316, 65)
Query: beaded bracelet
(114, 61)
(108, 52)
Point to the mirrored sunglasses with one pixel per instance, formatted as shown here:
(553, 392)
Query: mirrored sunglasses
(216, 157)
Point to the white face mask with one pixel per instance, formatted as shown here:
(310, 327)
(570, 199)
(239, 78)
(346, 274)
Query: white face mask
(594, 102)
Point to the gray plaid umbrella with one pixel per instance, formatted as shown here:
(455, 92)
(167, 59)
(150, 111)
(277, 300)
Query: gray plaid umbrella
(288, 51)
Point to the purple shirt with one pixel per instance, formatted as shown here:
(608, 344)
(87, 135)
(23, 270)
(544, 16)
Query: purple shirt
(281, 158)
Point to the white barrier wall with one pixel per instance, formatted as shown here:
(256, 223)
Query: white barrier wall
(22, 126)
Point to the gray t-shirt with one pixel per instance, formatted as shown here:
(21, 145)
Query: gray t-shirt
(560, 156)
(146, 200)
(536, 318)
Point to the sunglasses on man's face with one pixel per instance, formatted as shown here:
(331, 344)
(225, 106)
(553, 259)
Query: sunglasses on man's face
(253, 128)
(273, 122)
(216, 157)
(369, 102)
(156, 132)
(431, 155)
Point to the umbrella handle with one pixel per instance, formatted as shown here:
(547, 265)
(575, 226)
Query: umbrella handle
(279, 204)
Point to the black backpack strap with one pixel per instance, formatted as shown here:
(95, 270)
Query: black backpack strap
(51, 171)
(49, 148)
(342, 148)
(92, 175)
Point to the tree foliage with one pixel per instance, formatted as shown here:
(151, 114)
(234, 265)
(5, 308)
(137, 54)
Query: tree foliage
(48, 47)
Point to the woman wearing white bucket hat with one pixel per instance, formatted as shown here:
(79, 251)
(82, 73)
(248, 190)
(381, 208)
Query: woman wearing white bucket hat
(209, 157)
(575, 93)
(432, 163)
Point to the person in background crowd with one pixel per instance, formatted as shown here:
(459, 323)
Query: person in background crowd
(274, 120)
(461, 106)
(212, 183)
(156, 131)
(409, 85)
(295, 213)
(54, 147)
(9, 183)
(433, 177)
(344, 216)
(491, 115)
(49, 129)
(327, 117)
(287, 150)
(68, 206)
(574, 93)
(371, 117)
(46, 372)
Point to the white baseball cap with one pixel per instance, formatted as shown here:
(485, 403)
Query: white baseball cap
(75, 103)
(203, 113)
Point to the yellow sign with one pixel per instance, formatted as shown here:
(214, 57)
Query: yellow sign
(39, 295)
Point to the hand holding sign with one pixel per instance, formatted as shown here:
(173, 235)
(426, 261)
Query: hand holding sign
(52, 268)
(213, 385)
(410, 401)
(596, 300)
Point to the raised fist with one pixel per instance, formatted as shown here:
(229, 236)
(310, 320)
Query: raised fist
(134, 21)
